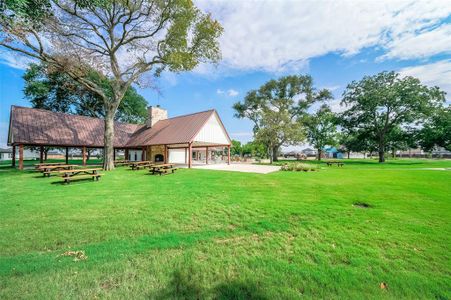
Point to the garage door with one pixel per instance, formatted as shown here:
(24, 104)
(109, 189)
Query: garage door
(177, 156)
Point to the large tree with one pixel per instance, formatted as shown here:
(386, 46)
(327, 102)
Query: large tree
(384, 102)
(321, 128)
(277, 108)
(58, 92)
(113, 41)
(436, 132)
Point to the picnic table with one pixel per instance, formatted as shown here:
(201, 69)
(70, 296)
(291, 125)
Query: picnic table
(37, 166)
(140, 165)
(48, 170)
(331, 163)
(162, 169)
(122, 162)
(69, 175)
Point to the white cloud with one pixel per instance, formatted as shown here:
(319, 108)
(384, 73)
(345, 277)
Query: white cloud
(14, 60)
(229, 93)
(276, 36)
(232, 93)
(433, 74)
(425, 44)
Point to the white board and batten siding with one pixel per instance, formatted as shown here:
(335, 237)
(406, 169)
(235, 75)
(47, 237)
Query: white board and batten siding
(212, 132)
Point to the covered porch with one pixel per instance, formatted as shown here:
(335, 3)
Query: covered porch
(189, 154)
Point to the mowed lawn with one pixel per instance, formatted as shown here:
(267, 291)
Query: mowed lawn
(210, 234)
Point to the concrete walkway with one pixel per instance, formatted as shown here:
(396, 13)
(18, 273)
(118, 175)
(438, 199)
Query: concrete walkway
(246, 168)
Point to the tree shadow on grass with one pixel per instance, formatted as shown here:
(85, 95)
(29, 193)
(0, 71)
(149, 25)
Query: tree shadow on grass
(184, 285)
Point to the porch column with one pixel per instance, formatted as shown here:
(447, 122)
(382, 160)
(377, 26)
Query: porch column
(206, 155)
(186, 150)
(83, 155)
(41, 154)
(20, 157)
(67, 155)
(13, 162)
(143, 156)
(166, 158)
(126, 155)
(114, 154)
(228, 154)
(190, 156)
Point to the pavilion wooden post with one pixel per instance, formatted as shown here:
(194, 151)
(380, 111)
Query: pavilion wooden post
(143, 156)
(126, 154)
(83, 154)
(190, 156)
(114, 154)
(166, 153)
(13, 162)
(228, 154)
(41, 154)
(67, 155)
(206, 155)
(20, 157)
(186, 150)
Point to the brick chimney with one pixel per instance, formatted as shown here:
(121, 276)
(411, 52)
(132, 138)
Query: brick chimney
(156, 113)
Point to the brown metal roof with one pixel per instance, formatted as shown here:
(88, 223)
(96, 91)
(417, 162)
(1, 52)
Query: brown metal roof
(178, 130)
(30, 126)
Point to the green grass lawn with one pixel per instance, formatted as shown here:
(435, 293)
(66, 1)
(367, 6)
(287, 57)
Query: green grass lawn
(210, 234)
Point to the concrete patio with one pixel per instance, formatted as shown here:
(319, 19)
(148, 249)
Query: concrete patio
(240, 167)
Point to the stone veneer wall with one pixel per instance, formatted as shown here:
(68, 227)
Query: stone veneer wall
(154, 150)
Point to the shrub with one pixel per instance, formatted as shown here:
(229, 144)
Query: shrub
(299, 167)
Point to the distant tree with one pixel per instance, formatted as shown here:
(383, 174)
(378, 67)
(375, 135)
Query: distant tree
(436, 131)
(382, 103)
(236, 149)
(276, 109)
(321, 129)
(60, 93)
(112, 42)
(255, 149)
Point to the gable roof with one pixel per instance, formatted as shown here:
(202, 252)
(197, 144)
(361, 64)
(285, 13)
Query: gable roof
(30, 126)
(177, 130)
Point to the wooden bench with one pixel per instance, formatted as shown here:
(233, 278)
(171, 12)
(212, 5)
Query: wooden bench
(163, 169)
(338, 163)
(69, 175)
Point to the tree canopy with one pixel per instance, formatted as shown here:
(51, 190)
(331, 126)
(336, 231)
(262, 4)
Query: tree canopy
(436, 132)
(276, 109)
(379, 105)
(321, 129)
(112, 42)
(60, 93)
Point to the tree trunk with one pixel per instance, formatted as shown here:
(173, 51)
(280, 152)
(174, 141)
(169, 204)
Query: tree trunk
(108, 159)
(381, 150)
(275, 149)
(319, 154)
(349, 154)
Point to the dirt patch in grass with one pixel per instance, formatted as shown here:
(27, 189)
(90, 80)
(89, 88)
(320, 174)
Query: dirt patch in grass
(362, 205)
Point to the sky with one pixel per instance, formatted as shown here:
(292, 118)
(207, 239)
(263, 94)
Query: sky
(335, 42)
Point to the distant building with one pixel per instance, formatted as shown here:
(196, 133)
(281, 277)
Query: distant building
(309, 152)
(6, 154)
(333, 152)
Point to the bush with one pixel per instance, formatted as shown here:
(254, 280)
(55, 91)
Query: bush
(299, 167)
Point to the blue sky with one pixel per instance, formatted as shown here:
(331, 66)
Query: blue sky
(335, 42)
